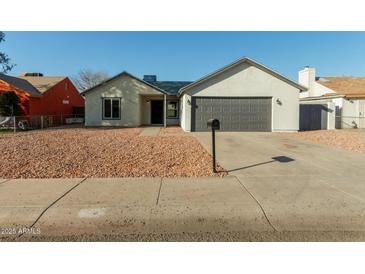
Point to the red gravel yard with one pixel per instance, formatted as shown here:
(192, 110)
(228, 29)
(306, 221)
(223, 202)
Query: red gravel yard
(349, 139)
(96, 152)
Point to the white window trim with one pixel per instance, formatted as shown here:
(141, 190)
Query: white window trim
(177, 109)
(111, 108)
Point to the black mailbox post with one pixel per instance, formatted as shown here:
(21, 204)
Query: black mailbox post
(214, 125)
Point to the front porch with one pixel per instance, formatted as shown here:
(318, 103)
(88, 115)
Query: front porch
(159, 110)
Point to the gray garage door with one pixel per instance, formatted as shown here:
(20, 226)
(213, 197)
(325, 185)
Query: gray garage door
(313, 117)
(234, 113)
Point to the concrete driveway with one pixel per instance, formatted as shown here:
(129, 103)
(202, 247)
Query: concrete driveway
(252, 154)
(301, 186)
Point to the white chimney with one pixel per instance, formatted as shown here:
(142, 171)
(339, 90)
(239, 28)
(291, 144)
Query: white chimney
(307, 77)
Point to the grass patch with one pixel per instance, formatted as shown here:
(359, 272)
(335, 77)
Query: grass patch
(6, 130)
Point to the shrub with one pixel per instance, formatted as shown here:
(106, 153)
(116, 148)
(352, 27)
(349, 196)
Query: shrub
(9, 104)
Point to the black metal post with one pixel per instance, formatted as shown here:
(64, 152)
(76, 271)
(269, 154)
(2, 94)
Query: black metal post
(213, 149)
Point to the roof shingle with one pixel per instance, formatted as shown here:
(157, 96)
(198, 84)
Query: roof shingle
(171, 87)
(349, 86)
(20, 84)
(43, 83)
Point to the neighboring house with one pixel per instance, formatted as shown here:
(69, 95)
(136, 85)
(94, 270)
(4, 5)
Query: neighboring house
(29, 96)
(345, 94)
(244, 96)
(42, 95)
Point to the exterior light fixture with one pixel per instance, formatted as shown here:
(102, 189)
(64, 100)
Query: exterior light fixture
(279, 102)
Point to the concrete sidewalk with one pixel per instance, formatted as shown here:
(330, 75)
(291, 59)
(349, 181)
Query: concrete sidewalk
(280, 208)
(150, 131)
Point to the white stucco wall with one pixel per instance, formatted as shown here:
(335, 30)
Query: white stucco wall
(361, 106)
(304, 94)
(338, 102)
(245, 80)
(185, 110)
(307, 78)
(350, 114)
(353, 113)
(331, 115)
(319, 90)
(129, 90)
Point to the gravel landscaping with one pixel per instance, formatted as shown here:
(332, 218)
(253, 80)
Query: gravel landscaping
(107, 152)
(349, 139)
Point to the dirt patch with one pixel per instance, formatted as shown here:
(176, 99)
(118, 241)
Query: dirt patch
(349, 139)
(81, 152)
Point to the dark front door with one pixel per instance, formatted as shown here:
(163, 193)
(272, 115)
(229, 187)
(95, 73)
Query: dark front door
(156, 112)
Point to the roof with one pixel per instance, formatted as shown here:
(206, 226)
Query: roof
(43, 83)
(351, 87)
(21, 84)
(171, 87)
(120, 75)
(236, 63)
(178, 87)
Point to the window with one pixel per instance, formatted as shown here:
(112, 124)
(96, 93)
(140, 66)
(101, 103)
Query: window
(111, 108)
(172, 109)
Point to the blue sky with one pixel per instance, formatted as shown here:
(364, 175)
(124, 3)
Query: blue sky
(184, 55)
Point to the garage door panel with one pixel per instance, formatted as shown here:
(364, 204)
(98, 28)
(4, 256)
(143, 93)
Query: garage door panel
(235, 113)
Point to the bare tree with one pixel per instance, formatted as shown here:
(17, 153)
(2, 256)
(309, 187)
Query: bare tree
(87, 78)
(5, 65)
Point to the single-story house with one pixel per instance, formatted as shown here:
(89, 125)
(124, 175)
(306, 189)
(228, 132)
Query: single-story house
(244, 96)
(43, 95)
(345, 94)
